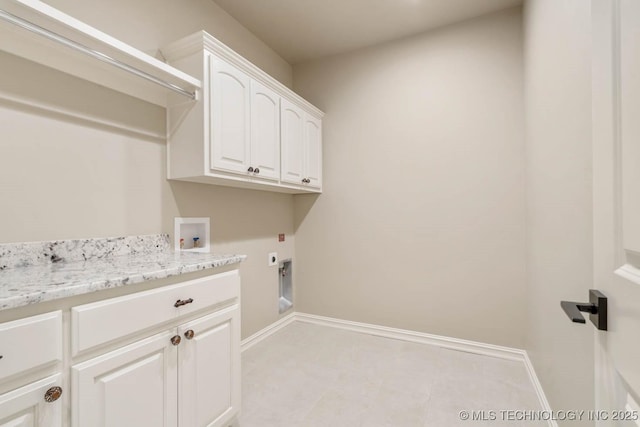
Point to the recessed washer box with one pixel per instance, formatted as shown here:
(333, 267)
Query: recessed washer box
(285, 274)
(190, 228)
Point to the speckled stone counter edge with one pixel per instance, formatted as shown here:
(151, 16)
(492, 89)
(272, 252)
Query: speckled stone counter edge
(37, 284)
(14, 255)
(35, 272)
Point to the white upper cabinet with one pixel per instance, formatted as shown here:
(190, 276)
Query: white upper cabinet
(312, 152)
(292, 143)
(247, 130)
(265, 131)
(230, 117)
(301, 147)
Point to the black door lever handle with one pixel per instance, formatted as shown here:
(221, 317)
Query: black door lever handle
(596, 307)
(573, 310)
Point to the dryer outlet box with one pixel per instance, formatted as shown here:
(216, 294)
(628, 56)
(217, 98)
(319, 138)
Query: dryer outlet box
(273, 259)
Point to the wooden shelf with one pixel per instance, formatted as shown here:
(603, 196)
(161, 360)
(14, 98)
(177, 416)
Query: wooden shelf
(37, 48)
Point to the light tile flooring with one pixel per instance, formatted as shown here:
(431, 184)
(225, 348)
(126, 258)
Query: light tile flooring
(307, 375)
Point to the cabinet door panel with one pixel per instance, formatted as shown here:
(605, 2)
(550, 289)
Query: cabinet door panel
(265, 131)
(292, 143)
(130, 387)
(209, 379)
(313, 151)
(26, 407)
(230, 121)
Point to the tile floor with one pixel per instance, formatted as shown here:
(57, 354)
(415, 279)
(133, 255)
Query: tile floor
(307, 375)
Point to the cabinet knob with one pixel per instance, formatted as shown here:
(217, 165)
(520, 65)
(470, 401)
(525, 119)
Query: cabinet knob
(256, 170)
(189, 334)
(53, 394)
(250, 169)
(306, 180)
(182, 302)
(175, 340)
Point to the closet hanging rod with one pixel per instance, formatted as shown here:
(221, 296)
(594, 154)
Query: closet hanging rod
(8, 17)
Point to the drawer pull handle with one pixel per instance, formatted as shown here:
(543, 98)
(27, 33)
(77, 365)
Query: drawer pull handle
(182, 302)
(189, 334)
(53, 394)
(175, 340)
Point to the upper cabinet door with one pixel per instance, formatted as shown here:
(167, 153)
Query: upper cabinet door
(265, 132)
(292, 119)
(230, 117)
(313, 151)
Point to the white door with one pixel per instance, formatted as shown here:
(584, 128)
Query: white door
(312, 151)
(26, 406)
(616, 136)
(230, 117)
(130, 387)
(209, 375)
(292, 129)
(265, 132)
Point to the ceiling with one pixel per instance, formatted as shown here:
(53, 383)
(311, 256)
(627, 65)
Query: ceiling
(301, 30)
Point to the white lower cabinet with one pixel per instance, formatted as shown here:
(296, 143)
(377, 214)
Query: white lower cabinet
(208, 392)
(164, 357)
(183, 377)
(31, 350)
(187, 374)
(28, 407)
(130, 387)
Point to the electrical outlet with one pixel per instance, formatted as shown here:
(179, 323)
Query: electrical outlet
(273, 259)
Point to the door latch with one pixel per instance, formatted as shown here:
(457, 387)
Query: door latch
(596, 307)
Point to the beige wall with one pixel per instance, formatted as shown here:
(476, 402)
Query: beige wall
(559, 219)
(421, 223)
(62, 175)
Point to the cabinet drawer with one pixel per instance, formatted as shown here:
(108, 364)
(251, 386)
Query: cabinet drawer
(29, 343)
(100, 322)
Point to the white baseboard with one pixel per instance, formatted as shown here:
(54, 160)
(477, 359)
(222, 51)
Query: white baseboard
(411, 336)
(417, 337)
(254, 339)
(538, 388)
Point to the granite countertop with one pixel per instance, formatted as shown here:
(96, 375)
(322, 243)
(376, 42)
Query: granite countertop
(43, 271)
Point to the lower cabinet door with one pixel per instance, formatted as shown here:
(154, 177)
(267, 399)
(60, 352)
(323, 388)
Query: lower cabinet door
(133, 386)
(27, 407)
(209, 376)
